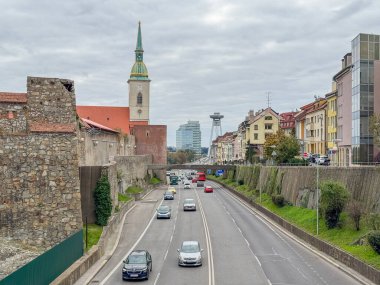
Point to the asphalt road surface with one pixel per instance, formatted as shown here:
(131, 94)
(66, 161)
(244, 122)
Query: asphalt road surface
(239, 246)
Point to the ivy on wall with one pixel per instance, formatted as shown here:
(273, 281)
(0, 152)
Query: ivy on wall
(103, 202)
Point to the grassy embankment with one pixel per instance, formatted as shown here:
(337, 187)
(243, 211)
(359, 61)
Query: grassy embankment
(345, 237)
(94, 233)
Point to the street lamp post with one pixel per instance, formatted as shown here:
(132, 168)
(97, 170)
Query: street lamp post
(317, 194)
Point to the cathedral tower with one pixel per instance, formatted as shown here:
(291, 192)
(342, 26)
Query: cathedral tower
(139, 85)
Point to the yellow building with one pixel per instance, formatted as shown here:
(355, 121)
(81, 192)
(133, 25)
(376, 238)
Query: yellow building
(264, 123)
(331, 125)
(315, 127)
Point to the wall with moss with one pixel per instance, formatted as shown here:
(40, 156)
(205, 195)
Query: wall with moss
(298, 184)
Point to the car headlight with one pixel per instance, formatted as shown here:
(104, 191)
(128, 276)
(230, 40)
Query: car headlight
(124, 269)
(144, 269)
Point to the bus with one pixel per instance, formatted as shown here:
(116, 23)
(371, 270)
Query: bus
(174, 180)
(201, 176)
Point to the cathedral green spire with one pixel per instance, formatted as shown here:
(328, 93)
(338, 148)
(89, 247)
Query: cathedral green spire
(139, 70)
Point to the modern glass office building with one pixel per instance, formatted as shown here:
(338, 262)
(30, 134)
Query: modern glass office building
(188, 136)
(365, 51)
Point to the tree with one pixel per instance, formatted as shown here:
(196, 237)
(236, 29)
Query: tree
(286, 147)
(355, 211)
(270, 144)
(333, 199)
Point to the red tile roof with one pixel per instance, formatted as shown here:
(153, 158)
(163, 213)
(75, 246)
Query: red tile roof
(99, 126)
(51, 128)
(116, 118)
(9, 97)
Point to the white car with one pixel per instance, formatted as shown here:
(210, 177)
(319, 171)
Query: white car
(189, 205)
(190, 254)
(187, 185)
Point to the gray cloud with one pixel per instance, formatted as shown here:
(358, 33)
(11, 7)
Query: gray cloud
(203, 56)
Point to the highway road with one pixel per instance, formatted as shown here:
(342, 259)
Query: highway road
(239, 246)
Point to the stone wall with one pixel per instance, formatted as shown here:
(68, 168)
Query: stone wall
(298, 184)
(132, 170)
(39, 191)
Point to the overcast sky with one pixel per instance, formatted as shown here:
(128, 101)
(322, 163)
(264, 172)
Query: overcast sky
(203, 56)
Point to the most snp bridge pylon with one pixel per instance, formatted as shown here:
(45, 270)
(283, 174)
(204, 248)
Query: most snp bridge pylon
(217, 126)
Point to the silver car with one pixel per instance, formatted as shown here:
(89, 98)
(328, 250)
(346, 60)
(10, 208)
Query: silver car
(164, 211)
(189, 205)
(190, 254)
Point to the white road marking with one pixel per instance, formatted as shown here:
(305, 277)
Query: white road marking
(158, 276)
(117, 267)
(211, 273)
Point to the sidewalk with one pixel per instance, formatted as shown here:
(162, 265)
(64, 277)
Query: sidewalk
(114, 238)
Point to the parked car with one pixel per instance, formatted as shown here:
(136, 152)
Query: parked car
(208, 189)
(190, 254)
(323, 160)
(187, 185)
(189, 205)
(137, 265)
(164, 211)
(168, 195)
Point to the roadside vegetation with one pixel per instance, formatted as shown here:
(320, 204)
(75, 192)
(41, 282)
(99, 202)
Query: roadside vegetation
(134, 190)
(123, 197)
(344, 226)
(94, 233)
(154, 181)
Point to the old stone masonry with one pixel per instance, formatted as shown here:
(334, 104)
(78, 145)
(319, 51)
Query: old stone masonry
(39, 192)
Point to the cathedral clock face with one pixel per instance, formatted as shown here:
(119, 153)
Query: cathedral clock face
(139, 87)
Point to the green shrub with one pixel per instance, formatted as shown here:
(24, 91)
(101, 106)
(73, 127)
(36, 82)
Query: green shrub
(298, 161)
(123, 198)
(154, 181)
(374, 240)
(241, 181)
(373, 221)
(333, 199)
(103, 202)
(278, 200)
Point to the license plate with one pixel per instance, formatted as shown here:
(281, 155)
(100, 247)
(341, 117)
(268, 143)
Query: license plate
(134, 275)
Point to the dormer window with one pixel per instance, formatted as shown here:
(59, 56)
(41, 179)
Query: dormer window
(139, 99)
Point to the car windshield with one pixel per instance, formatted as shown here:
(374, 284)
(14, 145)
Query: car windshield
(168, 193)
(190, 248)
(163, 209)
(136, 259)
(189, 201)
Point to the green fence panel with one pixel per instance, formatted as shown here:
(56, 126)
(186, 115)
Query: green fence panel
(49, 265)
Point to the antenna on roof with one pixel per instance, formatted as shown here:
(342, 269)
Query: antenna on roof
(268, 98)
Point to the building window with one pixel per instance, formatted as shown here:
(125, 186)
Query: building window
(139, 99)
(255, 127)
(255, 136)
(268, 118)
(268, 126)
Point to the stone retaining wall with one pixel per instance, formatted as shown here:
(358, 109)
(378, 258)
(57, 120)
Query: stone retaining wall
(347, 259)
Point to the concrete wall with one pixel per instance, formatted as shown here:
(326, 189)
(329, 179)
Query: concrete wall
(298, 184)
(98, 147)
(40, 202)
